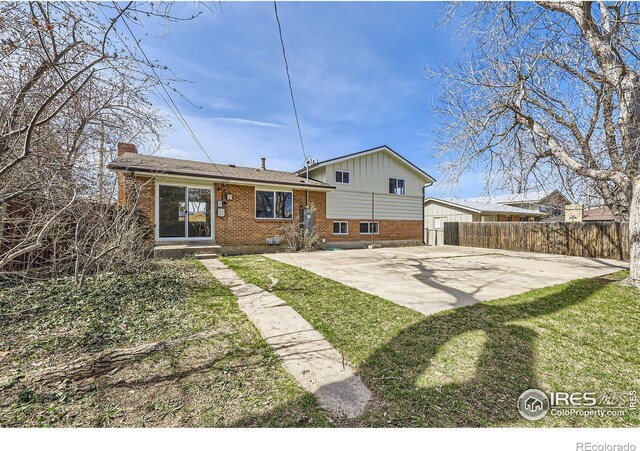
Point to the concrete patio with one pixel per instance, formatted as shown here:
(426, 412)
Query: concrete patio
(430, 279)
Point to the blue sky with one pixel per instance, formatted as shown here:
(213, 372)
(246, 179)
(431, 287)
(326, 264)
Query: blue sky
(358, 72)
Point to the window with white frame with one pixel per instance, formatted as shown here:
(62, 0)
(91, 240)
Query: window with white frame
(343, 177)
(274, 204)
(341, 228)
(438, 223)
(396, 186)
(368, 228)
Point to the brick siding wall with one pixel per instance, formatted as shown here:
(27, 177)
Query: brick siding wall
(388, 230)
(147, 201)
(144, 189)
(240, 227)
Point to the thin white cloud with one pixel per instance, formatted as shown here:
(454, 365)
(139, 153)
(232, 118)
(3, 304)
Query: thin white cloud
(244, 145)
(352, 93)
(246, 122)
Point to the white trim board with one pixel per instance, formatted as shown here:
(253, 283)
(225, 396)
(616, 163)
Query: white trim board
(161, 177)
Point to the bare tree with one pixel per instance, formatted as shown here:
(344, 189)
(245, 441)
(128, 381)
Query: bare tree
(550, 93)
(73, 81)
(297, 238)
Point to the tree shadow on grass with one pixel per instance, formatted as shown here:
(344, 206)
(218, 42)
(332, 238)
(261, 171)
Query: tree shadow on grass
(412, 389)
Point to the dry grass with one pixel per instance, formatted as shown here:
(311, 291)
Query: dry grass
(228, 380)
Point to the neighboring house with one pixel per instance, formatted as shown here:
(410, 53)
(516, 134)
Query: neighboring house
(438, 211)
(597, 214)
(552, 203)
(239, 206)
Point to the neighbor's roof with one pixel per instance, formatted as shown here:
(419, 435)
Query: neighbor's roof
(484, 207)
(598, 214)
(160, 165)
(367, 152)
(531, 196)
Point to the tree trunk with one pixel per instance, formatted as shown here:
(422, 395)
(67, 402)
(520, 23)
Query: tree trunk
(630, 113)
(634, 233)
(100, 363)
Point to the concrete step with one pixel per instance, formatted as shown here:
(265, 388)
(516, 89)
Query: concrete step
(180, 250)
(185, 243)
(205, 256)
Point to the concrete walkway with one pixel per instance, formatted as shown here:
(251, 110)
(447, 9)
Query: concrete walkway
(317, 366)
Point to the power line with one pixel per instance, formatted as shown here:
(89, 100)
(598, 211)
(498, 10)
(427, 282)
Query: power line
(177, 111)
(293, 100)
(174, 109)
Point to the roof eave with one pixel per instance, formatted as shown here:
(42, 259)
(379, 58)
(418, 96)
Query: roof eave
(362, 152)
(514, 213)
(475, 210)
(463, 207)
(323, 187)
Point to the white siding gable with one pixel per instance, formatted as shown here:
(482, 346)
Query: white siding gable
(371, 173)
(448, 213)
(367, 193)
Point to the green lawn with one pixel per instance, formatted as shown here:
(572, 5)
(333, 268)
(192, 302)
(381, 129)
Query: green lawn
(467, 366)
(463, 367)
(230, 379)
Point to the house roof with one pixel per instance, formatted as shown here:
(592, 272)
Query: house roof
(598, 214)
(383, 148)
(129, 161)
(519, 198)
(484, 207)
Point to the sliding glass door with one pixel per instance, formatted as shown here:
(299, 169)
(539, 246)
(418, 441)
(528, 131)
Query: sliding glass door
(184, 212)
(171, 211)
(199, 220)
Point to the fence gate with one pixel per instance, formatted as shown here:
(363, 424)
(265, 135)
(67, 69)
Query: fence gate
(434, 237)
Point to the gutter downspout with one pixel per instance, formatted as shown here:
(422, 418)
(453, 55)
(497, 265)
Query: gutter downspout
(425, 237)
(373, 209)
(307, 165)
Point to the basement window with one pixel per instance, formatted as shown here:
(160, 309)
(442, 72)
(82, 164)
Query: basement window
(341, 228)
(368, 228)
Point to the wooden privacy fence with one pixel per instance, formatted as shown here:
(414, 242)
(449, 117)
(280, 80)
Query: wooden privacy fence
(596, 240)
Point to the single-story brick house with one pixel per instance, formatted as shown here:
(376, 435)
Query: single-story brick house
(373, 195)
(552, 203)
(598, 214)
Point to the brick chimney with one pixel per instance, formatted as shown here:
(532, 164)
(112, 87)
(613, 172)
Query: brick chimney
(263, 163)
(125, 180)
(126, 147)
